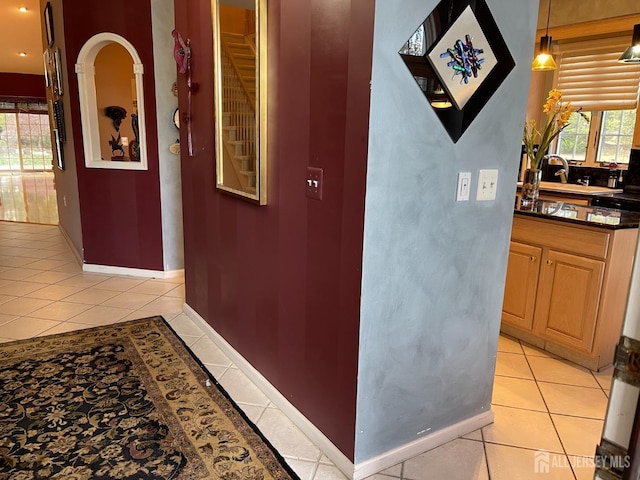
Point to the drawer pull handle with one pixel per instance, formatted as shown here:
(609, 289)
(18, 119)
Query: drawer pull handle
(532, 258)
(549, 262)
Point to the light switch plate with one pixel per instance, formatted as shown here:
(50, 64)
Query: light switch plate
(314, 182)
(487, 185)
(464, 186)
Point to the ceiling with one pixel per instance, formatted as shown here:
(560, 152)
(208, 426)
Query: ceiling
(20, 32)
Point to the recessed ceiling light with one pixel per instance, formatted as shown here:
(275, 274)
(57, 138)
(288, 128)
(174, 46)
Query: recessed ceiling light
(23, 9)
(22, 54)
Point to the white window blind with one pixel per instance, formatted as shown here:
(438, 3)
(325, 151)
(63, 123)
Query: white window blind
(589, 75)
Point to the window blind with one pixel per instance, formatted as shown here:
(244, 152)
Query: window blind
(589, 75)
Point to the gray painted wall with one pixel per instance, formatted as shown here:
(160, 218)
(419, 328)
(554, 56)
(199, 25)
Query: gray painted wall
(166, 103)
(433, 269)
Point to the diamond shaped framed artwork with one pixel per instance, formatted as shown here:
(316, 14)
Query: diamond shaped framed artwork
(459, 59)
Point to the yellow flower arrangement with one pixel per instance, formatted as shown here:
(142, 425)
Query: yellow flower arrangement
(537, 143)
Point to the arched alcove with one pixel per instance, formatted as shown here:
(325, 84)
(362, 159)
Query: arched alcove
(92, 67)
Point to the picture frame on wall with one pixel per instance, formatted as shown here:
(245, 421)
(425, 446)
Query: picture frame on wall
(58, 119)
(46, 60)
(59, 149)
(462, 58)
(57, 63)
(48, 23)
(459, 59)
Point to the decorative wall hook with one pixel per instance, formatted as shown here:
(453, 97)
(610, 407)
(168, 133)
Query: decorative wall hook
(182, 55)
(181, 52)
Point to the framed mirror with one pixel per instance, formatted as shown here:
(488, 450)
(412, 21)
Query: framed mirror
(240, 67)
(110, 87)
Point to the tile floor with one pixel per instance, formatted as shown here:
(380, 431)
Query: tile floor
(28, 197)
(540, 402)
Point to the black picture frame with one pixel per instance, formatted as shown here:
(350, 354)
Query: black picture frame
(59, 149)
(455, 117)
(57, 63)
(46, 61)
(58, 119)
(48, 23)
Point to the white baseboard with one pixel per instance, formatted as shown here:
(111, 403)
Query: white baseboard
(360, 470)
(308, 428)
(424, 444)
(70, 244)
(131, 272)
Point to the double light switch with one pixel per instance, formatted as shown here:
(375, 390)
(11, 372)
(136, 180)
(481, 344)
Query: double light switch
(487, 185)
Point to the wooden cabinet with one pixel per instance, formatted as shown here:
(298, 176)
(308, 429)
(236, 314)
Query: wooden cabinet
(566, 287)
(521, 284)
(567, 302)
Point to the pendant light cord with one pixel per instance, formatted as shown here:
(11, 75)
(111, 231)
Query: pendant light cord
(548, 16)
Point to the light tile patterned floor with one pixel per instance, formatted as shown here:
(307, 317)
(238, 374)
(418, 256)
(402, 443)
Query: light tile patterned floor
(28, 197)
(540, 402)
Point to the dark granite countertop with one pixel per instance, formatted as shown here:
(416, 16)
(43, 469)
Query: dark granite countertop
(592, 216)
(572, 189)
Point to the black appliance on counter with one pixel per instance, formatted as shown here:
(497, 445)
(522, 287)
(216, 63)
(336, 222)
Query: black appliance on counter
(629, 199)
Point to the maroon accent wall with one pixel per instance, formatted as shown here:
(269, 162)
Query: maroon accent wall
(120, 209)
(22, 85)
(281, 282)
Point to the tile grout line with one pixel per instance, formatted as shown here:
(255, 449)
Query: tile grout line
(555, 429)
(486, 457)
(600, 385)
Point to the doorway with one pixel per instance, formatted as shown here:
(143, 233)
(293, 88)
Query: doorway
(27, 192)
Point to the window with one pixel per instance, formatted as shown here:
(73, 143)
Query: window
(606, 138)
(25, 139)
(589, 76)
(572, 141)
(616, 136)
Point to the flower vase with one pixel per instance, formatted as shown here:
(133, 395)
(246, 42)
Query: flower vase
(531, 186)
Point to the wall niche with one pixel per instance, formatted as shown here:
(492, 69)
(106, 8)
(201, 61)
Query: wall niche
(110, 84)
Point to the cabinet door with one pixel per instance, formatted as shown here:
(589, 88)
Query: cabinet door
(568, 298)
(521, 285)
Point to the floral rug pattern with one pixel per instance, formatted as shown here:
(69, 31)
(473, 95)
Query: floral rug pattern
(126, 401)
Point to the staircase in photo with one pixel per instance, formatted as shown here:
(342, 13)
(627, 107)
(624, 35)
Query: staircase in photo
(238, 54)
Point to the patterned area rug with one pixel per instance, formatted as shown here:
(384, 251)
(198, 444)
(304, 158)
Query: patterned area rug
(126, 401)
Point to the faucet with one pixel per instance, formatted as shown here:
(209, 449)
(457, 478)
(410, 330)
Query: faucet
(563, 173)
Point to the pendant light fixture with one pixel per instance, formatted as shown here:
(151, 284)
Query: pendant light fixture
(544, 59)
(632, 54)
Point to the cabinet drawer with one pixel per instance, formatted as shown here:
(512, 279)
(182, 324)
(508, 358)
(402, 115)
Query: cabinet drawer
(561, 236)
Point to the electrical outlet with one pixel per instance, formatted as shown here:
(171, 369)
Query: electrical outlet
(487, 185)
(464, 186)
(314, 183)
